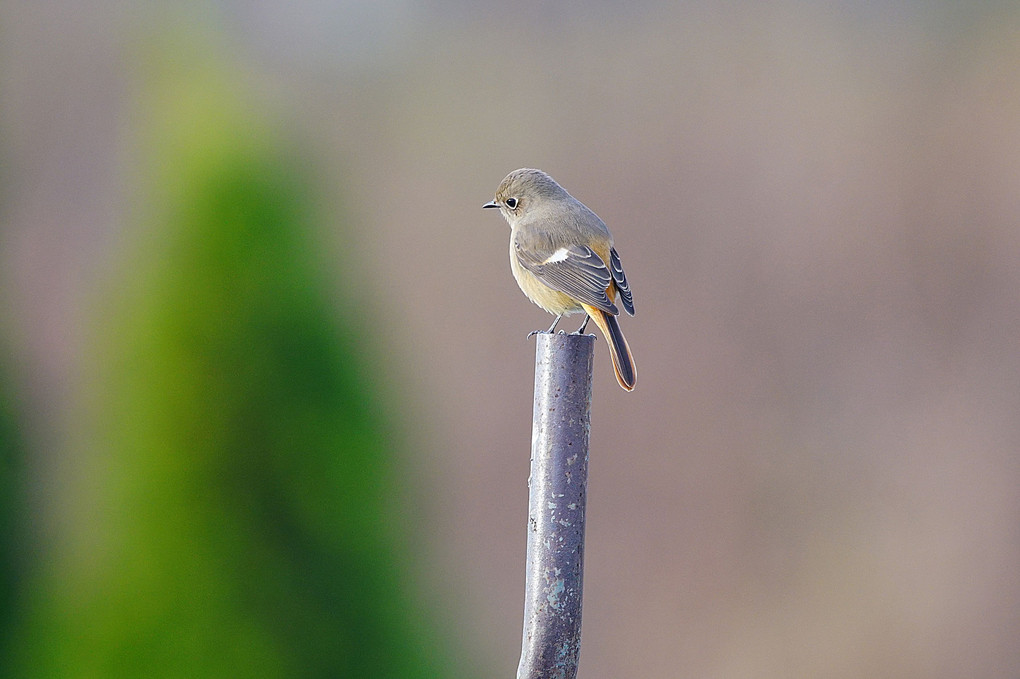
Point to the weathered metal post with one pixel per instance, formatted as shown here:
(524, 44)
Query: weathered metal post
(557, 492)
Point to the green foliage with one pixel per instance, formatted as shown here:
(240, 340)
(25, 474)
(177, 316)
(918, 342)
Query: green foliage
(12, 514)
(236, 519)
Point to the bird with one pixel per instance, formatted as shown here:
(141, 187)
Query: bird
(563, 258)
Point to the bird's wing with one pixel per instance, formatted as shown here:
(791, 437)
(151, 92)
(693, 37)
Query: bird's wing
(575, 270)
(621, 281)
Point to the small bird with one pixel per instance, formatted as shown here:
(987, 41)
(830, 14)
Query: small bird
(563, 258)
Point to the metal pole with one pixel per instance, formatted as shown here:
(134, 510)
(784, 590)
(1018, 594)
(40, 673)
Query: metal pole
(557, 492)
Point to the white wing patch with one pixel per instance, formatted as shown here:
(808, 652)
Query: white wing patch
(558, 256)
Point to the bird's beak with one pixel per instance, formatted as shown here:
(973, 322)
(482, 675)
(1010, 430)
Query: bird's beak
(491, 204)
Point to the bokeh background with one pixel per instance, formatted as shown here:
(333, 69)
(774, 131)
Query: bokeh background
(266, 393)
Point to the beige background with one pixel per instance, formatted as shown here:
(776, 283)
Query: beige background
(817, 205)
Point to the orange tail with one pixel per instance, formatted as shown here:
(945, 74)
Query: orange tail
(623, 361)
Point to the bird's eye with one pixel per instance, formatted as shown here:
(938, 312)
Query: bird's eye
(511, 203)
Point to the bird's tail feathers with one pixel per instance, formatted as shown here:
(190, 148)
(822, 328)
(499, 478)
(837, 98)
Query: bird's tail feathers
(623, 360)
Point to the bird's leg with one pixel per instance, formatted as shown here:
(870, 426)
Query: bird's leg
(549, 331)
(580, 331)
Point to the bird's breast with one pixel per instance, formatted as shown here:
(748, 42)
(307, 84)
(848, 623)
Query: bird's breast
(553, 301)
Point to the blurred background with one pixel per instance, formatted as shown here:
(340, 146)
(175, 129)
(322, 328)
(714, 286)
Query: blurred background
(266, 394)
